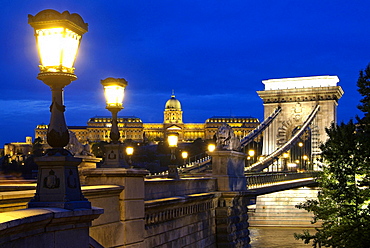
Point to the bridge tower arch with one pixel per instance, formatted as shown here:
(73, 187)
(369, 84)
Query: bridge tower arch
(297, 97)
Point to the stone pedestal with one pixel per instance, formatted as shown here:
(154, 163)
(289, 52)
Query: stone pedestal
(173, 172)
(131, 228)
(228, 168)
(114, 157)
(58, 184)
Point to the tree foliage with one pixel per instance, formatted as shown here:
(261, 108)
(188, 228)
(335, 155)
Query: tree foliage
(363, 84)
(343, 203)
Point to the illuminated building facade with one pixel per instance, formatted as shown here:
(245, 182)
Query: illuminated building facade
(131, 127)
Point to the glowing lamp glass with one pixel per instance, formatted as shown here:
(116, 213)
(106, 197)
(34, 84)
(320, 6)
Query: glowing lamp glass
(57, 49)
(211, 147)
(129, 150)
(251, 153)
(184, 155)
(172, 140)
(114, 95)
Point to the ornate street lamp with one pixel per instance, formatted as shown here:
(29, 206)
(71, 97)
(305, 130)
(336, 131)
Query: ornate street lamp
(58, 37)
(114, 92)
(129, 152)
(184, 156)
(172, 139)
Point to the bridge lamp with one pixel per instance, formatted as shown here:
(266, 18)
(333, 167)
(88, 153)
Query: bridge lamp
(211, 147)
(172, 139)
(300, 144)
(114, 92)
(129, 152)
(251, 153)
(184, 156)
(58, 38)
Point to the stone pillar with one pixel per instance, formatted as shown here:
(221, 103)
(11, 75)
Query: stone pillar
(231, 211)
(232, 220)
(228, 168)
(131, 230)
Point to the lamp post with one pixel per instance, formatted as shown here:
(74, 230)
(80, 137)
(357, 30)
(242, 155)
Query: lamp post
(114, 89)
(129, 152)
(58, 37)
(172, 139)
(251, 154)
(184, 156)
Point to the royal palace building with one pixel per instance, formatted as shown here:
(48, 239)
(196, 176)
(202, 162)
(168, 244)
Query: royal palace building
(131, 127)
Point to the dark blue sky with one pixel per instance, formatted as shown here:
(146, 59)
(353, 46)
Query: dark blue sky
(214, 54)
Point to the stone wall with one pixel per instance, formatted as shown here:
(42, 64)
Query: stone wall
(187, 221)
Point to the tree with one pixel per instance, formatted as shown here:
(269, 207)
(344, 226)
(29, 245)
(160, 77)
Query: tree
(343, 202)
(363, 84)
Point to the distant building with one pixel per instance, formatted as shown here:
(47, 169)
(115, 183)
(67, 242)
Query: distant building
(131, 127)
(18, 150)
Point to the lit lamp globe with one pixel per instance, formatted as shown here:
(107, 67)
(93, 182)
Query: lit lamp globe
(184, 156)
(58, 37)
(211, 147)
(114, 92)
(129, 152)
(172, 140)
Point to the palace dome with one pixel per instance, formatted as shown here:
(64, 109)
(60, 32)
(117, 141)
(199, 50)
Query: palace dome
(173, 103)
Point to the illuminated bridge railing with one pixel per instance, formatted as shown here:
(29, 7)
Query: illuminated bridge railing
(259, 180)
(258, 130)
(196, 166)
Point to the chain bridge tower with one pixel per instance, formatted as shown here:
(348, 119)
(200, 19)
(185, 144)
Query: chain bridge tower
(297, 98)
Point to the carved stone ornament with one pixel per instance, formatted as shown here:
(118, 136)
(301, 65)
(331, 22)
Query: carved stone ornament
(226, 139)
(51, 181)
(50, 17)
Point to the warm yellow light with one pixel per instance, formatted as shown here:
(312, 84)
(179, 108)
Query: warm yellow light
(211, 147)
(114, 91)
(251, 153)
(114, 95)
(305, 157)
(300, 144)
(173, 139)
(292, 165)
(285, 155)
(129, 150)
(184, 154)
(57, 49)
(58, 37)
